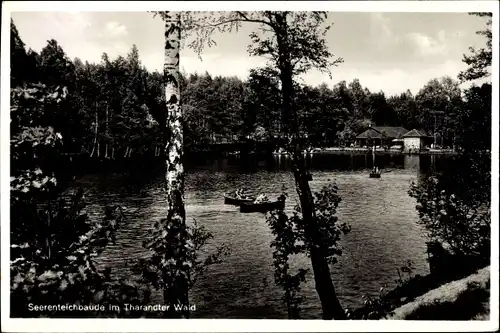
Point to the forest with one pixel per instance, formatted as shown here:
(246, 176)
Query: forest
(114, 107)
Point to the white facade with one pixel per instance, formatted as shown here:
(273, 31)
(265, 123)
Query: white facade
(412, 143)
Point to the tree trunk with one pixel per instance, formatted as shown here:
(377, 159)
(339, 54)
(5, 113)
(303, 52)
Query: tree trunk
(106, 153)
(175, 223)
(95, 132)
(49, 233)
(322, 278)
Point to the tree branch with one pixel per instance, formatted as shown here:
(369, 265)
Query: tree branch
(246, 19)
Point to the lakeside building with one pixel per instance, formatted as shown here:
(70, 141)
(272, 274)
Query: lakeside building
(394, 137)
(381, 136)
(415, 140)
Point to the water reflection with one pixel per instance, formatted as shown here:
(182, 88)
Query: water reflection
(380, 212)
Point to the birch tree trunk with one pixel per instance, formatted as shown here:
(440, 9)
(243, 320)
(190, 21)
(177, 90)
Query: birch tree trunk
(106, 154)
(95, 133)
(175, 223)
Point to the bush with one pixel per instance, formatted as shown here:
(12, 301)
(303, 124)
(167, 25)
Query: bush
(53, 261)
(291, 239)
(462, 226)
(53, 243)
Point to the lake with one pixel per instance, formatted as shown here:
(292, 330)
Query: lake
(380, 212)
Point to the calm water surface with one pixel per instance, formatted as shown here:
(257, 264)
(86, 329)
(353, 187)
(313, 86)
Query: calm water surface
(380, 211)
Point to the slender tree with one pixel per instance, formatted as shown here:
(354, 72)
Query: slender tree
(294, 42)
(173, 227)
(175, 264)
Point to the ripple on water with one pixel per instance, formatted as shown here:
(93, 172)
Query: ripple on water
(382, 216)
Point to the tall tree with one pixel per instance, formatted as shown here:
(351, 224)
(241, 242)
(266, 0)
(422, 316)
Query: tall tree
(381, 112)
(294, 42)
(263, 101)
(406, 110)
(438, 102)
(56, 67)
(479, 61)
(360, 98)
(173, 252)
(18, 57)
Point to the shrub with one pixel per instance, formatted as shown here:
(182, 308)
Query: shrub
(291, 239)
(462, 226)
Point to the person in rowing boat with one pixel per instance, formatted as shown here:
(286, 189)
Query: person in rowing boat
(261, 198)
(239, 194)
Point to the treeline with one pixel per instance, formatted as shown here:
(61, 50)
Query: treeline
(115, 108)
(59, 106)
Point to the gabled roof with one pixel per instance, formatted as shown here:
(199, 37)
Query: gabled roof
(391, 132)
(416, 134)
(370, 134)
(381, 132)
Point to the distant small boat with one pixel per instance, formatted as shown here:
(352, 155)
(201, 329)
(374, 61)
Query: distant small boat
(261, 207)
(375, 173)
(231, 199)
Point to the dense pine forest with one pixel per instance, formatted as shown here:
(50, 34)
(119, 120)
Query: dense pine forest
(114, 108)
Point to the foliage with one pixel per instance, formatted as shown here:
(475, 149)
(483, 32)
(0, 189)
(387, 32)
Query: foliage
(382, 305)
(53, 263)
(476, 113)
(439, 102)
(462, 225)
(407, 269)
(53, 243)
(454, 207)
(115, 108)
(479, 61)
(291, 240)
(374, 308)
(293, 43)
(175, 260)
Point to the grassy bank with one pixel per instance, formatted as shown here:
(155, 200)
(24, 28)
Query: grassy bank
(432, 286)
(464, 299)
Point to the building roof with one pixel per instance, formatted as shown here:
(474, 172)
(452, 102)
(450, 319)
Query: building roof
(391, 132)
(383, 132)
(416, 134)
(370, 133)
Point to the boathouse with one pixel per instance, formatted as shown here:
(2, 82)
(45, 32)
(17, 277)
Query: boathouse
(415, 140)
(381, 136)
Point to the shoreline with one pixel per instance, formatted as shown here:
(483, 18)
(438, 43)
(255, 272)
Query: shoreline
(361, 151)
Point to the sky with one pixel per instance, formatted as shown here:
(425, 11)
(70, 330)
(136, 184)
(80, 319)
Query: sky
(389, 52)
